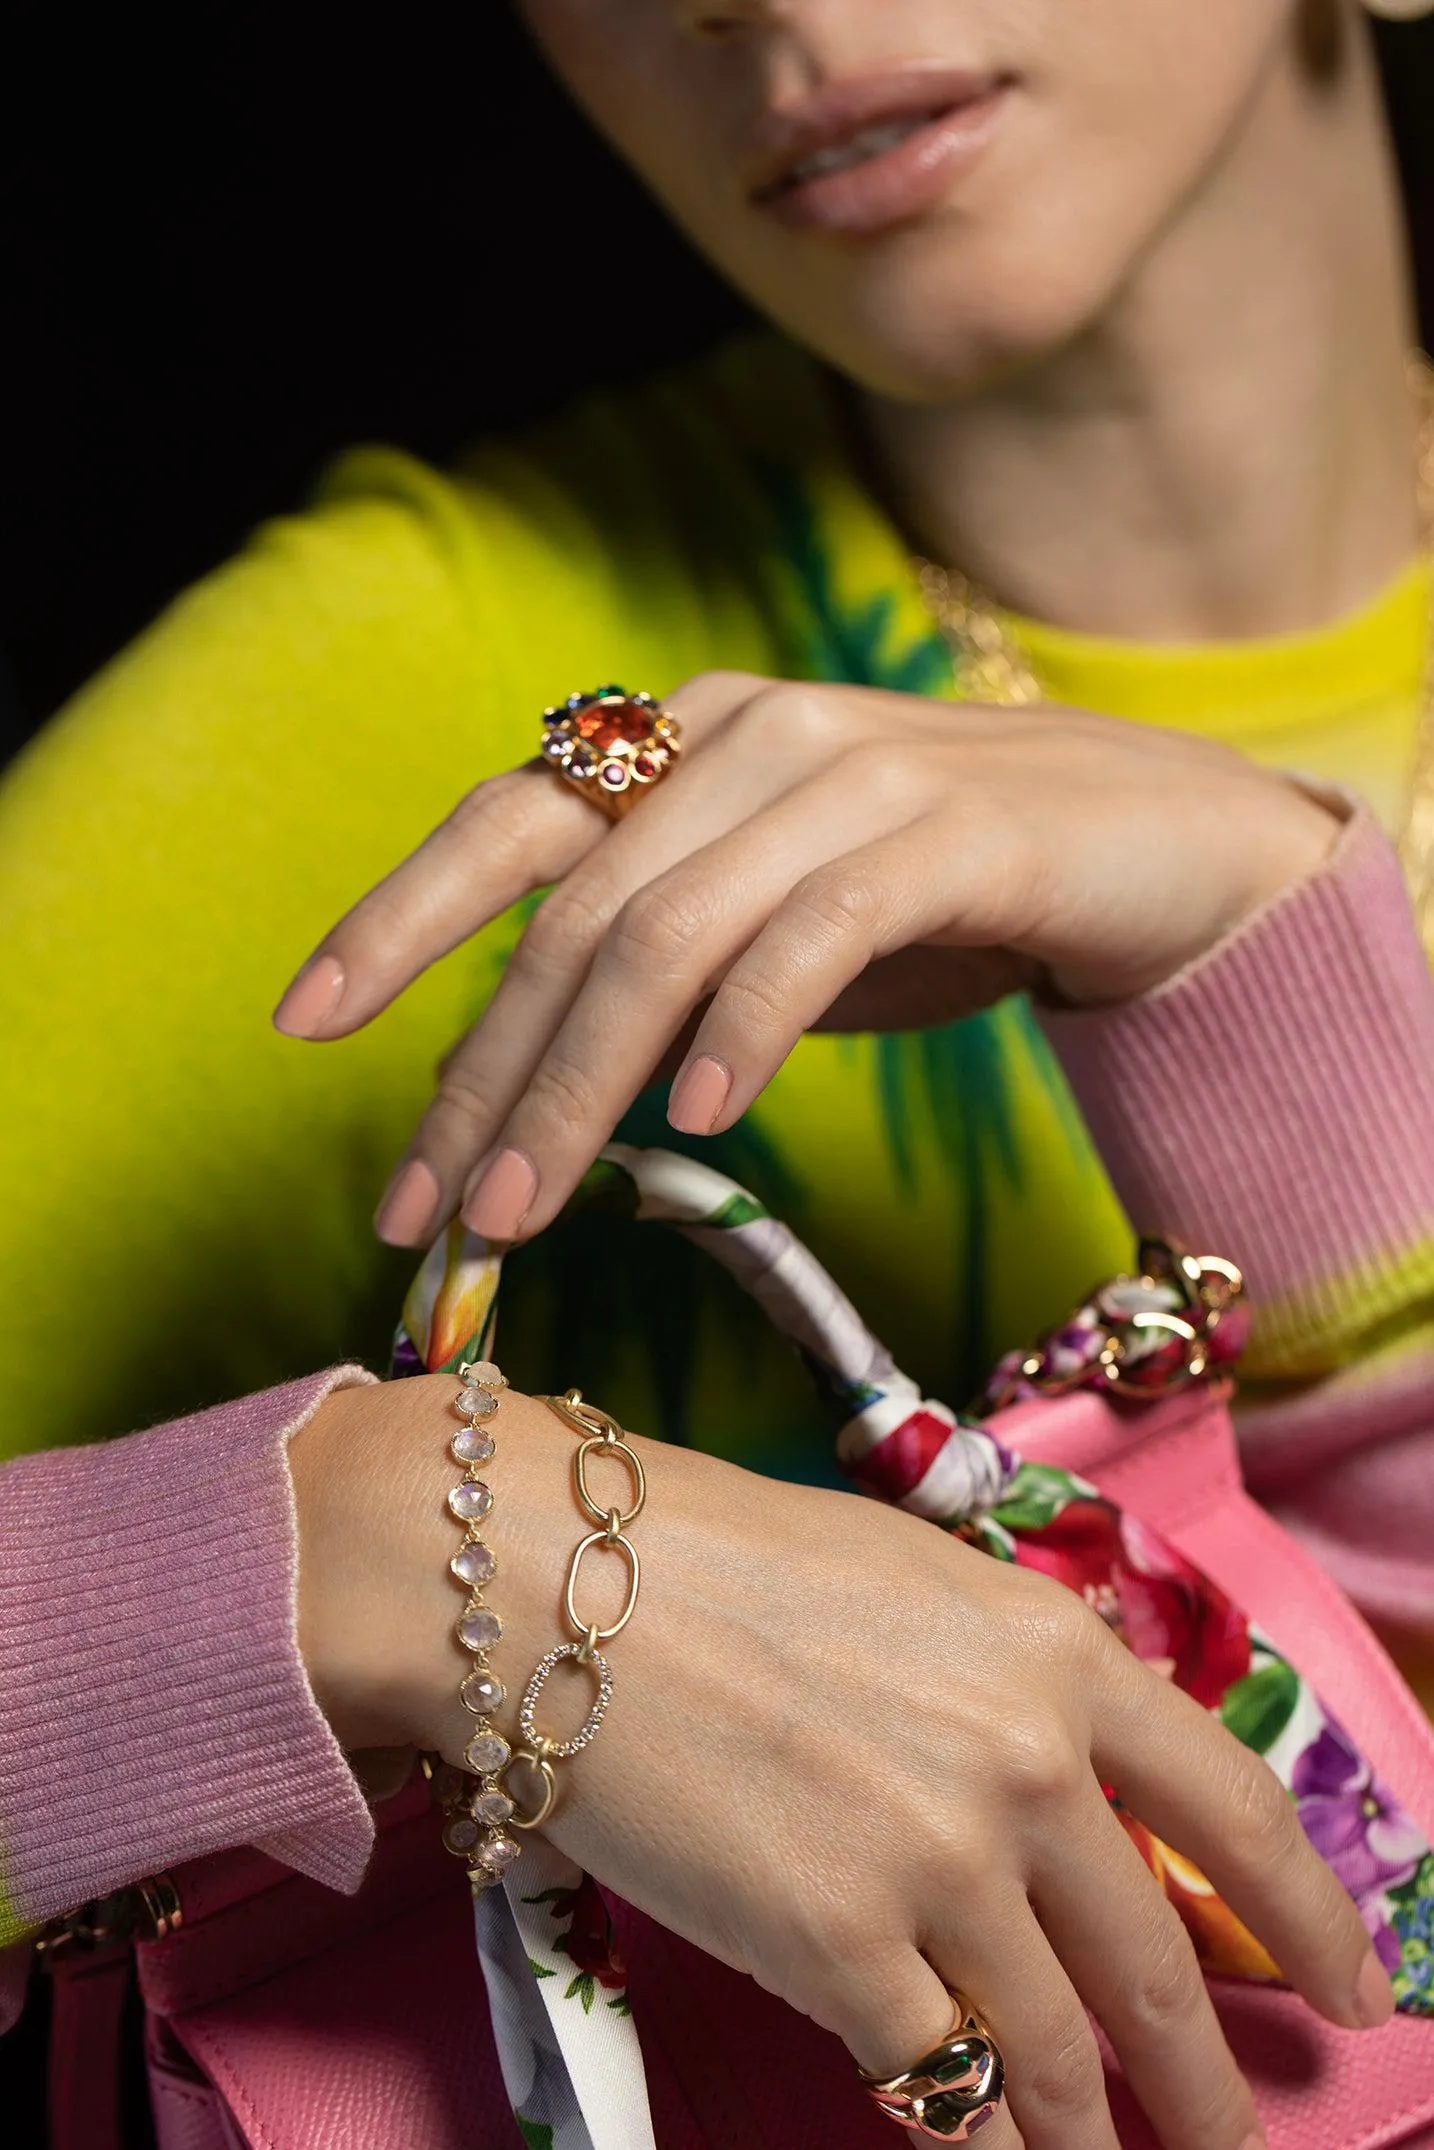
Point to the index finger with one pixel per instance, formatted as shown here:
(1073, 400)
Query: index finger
(506, 837)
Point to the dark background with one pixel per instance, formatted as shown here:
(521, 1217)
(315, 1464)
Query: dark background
(241, 239)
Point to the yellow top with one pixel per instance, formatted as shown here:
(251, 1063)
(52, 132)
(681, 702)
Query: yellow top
(188, 1195)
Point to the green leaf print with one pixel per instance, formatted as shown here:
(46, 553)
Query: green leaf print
(536, 2134)
(1257, 1708)
(1036, 1496)
(582, 1989)
(540, 1970)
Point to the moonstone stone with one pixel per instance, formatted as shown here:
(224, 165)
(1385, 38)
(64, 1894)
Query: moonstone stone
(471, 1500)
(492, 1808)
(479, 1629)
(462, 1833)
(474, 1564)
(498, 1852)
(484, 1374)
(486, 1752)
(475, 1403)
(471, 1445)
(482, 1692)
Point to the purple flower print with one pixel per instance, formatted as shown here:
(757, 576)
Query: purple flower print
(1357, 1826)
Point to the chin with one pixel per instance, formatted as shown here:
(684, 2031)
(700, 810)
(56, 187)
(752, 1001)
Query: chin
(930, 331)
(941, 311)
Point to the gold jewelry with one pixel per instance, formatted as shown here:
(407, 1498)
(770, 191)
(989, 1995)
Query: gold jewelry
(951, 2091)
(476, 1806)
(538, 1753)
(991, 667)
(611, 746)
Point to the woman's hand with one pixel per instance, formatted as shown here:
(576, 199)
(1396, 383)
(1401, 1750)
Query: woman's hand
(856, 1807)
(824, 856)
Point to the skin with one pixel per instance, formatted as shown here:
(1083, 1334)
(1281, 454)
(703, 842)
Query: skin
(1141, 373)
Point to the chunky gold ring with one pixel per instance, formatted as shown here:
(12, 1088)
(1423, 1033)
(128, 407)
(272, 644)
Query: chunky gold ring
(610, 745)
(951, 2091)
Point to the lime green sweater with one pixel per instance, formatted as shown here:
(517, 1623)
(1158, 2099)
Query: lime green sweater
(188, 1195)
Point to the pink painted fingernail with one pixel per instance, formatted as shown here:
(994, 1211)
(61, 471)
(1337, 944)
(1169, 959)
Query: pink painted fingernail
(1373, 1995)
(503, 1197)
(1258, 2141)
(698, 1095)
(406, 1211)
(314, 994)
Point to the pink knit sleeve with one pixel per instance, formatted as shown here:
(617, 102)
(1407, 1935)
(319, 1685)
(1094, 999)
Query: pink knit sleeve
(153, 1704)
(1275, 1103)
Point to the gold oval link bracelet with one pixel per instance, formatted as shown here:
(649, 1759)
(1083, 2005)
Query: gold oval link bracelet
(539, 1751)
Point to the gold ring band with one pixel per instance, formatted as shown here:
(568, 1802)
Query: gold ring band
(610, 745)
(951, 2091)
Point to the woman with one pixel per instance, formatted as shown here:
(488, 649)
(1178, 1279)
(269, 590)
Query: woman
(1113, 315)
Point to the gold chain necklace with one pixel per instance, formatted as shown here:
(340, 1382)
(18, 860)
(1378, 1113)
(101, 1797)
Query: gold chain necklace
(991, 666)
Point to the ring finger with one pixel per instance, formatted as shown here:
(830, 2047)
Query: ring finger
(1055, 2084)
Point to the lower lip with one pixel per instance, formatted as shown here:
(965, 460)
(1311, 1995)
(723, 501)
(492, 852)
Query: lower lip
(899, 184)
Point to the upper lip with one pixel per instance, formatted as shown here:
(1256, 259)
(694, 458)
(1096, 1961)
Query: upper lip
(784, 139)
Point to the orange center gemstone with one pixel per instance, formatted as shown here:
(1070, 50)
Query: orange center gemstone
(608, 724)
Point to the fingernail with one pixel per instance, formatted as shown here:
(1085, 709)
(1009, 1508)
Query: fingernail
(1373, 1995)
(314, 994)
(503, 1197)
(698, 1095)
(406, 1211)
(1258, 2141)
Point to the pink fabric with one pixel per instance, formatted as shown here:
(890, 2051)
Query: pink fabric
(1276, 1100)
(155, 1706)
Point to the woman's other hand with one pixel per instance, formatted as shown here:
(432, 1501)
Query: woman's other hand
(824, 857)
(856, 1807)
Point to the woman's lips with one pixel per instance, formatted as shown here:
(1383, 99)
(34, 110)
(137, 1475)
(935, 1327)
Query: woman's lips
(912, 159)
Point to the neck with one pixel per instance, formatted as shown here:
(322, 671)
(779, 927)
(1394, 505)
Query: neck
(1229, 450)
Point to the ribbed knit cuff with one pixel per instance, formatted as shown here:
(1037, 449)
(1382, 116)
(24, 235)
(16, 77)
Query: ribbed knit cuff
(1275, 1102)
(153, 1704)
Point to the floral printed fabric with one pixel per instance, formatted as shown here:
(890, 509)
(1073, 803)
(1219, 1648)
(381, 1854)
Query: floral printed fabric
(909, 1449)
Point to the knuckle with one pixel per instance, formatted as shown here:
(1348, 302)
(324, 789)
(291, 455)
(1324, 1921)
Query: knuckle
(753, 1001)
(462, 1094)
(1168, 1989)
(1040, 1763)
(658, 925)
(839, 901)
(1261, 1820)
(794, 714)
(560, 934)
(1063, 2077)
(563, 1093)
